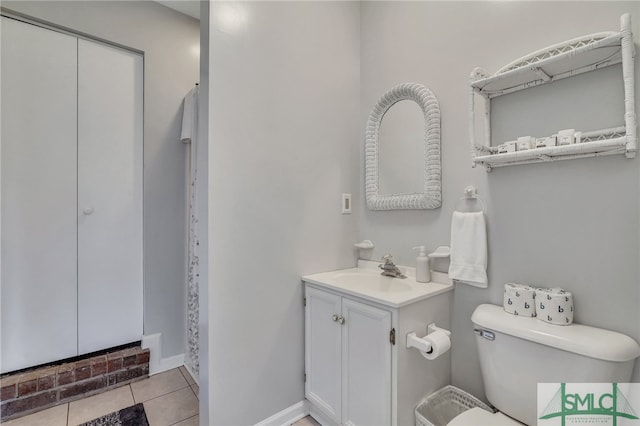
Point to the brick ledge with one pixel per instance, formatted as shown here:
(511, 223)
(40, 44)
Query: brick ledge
(32, 391)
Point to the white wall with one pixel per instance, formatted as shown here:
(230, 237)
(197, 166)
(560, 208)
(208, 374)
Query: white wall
(170, 41)
(573, 224)
(204, 125)
(284, 147)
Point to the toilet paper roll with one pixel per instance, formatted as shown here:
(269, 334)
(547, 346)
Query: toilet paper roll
(519, 299)
(554, 305)
(440, 343)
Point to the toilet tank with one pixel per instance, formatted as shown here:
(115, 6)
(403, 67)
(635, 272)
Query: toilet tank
(516, 353)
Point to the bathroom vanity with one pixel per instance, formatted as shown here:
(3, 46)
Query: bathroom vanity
(358, 370)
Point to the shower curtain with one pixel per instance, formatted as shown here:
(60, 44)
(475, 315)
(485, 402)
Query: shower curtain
(189, 136)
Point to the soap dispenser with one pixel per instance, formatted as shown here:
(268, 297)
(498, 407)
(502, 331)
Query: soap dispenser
(423, 274)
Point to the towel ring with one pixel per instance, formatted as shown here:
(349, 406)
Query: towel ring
(470, 202)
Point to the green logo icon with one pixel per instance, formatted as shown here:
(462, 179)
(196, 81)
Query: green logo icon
(614, 404)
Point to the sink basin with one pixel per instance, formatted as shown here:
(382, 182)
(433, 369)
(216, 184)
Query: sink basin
(370, 281)
(366, 282)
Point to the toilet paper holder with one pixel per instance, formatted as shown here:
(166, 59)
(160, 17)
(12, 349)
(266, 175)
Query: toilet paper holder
(413, 341)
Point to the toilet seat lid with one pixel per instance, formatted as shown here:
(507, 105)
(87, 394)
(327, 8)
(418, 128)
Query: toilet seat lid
(479, 417)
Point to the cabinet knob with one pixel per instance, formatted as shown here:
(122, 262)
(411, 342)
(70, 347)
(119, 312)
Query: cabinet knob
(87, 210)
(334, 317)
(341, 320)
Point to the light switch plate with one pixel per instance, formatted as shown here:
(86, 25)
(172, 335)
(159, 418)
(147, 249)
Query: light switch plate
(346, 203)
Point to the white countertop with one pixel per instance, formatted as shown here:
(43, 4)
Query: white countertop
(366, 282)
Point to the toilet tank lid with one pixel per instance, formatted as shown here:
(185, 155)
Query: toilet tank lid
(580, 339)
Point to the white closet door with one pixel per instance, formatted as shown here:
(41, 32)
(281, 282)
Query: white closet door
(38, 181)
(110, 94)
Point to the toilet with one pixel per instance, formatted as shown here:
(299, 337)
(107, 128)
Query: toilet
(517, 352)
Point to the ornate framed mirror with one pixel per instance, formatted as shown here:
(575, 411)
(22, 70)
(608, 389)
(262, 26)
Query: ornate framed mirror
(401, 175)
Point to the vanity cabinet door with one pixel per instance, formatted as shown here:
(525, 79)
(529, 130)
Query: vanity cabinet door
(347, 359)
(323, 352)
(366, 365)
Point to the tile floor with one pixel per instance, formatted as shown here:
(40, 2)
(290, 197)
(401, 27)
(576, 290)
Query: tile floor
(306, 421)
(169, 398)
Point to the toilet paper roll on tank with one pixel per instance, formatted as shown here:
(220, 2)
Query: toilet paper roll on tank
(519, 299)
(554, 305)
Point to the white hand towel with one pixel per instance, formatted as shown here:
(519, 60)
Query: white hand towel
(469, 249)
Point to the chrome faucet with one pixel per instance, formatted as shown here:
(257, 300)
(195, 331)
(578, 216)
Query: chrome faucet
(389, 269)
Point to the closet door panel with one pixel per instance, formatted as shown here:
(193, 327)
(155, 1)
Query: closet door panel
(38, 191)
(110, 84)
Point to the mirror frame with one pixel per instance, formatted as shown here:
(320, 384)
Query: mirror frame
(431, 198)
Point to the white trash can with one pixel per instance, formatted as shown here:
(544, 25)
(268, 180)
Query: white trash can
(443, 405)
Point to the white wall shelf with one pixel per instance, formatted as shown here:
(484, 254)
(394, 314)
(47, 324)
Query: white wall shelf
(567, 59)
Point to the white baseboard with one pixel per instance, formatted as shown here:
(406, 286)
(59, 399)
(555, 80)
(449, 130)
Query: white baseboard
(193, 376)
(157, 364)
(287, 416)
(320, 418)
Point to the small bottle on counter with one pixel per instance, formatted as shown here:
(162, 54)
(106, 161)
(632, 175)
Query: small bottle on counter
(423, 273)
